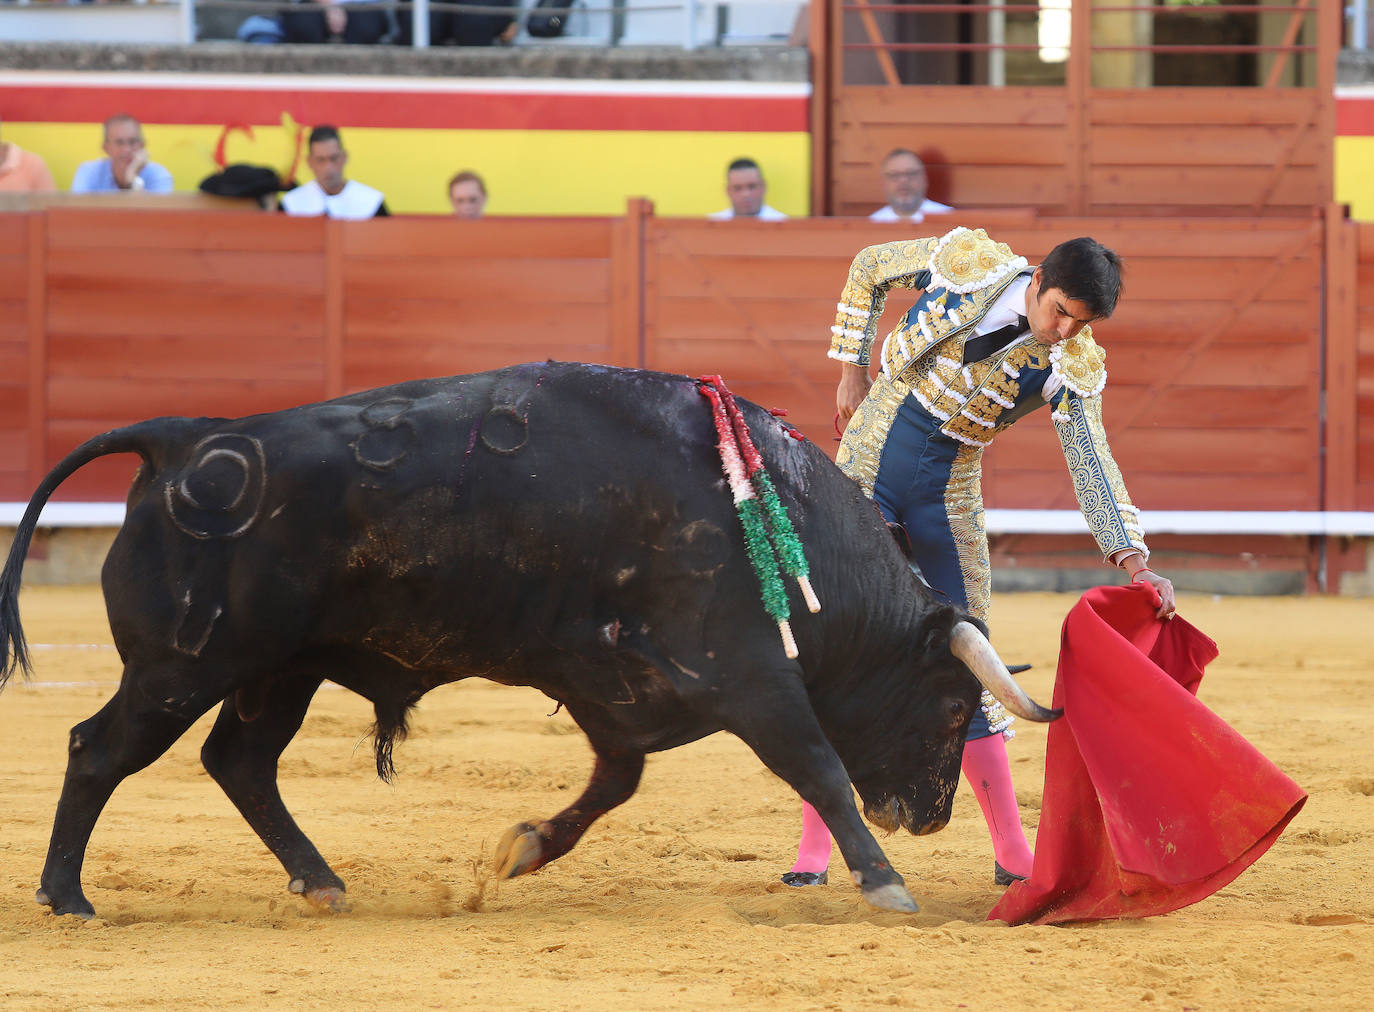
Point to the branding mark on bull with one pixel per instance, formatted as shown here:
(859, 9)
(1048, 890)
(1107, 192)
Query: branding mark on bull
(389, 435)
(221, 490)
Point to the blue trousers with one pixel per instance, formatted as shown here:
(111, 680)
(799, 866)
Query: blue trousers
(913, 474)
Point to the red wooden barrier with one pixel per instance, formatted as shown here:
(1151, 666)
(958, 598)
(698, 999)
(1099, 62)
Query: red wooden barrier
(1215, 356)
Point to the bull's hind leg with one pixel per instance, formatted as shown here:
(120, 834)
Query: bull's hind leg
(527, 847)
(139, 723)
(253, 728)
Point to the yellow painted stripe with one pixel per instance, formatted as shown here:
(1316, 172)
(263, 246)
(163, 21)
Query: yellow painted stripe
(528, 172)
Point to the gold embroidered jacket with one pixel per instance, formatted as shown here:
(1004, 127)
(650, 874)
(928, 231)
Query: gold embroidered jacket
(961, 275)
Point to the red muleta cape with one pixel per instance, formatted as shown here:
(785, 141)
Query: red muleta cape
(1151, 801)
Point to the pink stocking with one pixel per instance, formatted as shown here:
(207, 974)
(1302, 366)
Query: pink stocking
(989, 774)
(813, 851)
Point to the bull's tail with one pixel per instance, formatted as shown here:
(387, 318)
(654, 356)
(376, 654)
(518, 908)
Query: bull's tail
(151, 440)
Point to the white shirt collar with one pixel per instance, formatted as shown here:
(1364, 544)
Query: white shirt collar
(1009, 305)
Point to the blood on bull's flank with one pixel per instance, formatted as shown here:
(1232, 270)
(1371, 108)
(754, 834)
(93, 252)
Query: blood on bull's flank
(560, 526)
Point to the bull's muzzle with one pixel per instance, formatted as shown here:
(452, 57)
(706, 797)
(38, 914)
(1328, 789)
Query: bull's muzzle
(893, 814)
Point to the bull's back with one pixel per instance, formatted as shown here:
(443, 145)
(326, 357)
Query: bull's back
(528, 502)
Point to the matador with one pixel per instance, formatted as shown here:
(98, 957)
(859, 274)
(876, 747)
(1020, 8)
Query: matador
(989, 340)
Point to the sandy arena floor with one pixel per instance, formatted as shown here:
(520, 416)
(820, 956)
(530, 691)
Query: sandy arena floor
(673, 900)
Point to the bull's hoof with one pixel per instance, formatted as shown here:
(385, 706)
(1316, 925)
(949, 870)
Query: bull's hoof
(519, 851)
(891, 897)
(81, 906)
(328, 898)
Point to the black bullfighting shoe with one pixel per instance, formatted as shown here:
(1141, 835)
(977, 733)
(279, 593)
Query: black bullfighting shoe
(806, 878)
(1003, 877)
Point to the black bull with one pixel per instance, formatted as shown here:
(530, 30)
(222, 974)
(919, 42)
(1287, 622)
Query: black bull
(559, 526)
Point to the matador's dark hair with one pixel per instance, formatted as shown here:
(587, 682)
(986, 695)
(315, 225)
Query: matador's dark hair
(1085, 271)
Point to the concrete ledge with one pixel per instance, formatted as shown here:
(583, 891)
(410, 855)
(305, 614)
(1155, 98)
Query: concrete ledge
(621, 63)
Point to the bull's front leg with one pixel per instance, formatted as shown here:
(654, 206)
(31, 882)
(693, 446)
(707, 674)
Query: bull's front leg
(774, 718)
(528, 847)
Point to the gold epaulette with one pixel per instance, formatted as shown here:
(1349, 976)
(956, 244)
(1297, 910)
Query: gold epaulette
(965, 260)
(1081, 363)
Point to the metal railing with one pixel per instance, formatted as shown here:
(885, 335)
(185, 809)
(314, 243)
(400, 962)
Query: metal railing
(1357, 25)
(702, 22)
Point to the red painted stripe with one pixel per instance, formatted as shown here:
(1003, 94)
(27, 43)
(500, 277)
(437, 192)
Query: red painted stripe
(1354, 117)
(409, 109)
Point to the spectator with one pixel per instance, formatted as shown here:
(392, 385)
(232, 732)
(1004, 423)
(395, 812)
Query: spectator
(468, 195)
(745, 187)
(329, 193)
(456, 28)
(904, 184)
(126, 167)
(353, 21)
(23, 171)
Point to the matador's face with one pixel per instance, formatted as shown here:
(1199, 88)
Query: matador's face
(1052, 315)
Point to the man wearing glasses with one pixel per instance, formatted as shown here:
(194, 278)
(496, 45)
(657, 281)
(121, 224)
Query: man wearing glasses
(904, 184)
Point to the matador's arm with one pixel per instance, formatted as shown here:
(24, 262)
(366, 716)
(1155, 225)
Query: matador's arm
(1112, 518)
(873, 272)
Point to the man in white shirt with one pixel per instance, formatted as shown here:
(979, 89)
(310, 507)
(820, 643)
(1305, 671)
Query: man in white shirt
(329, 193)
(904, 184)
(745, 187)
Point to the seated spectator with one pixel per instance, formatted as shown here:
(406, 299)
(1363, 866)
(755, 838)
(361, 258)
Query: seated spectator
(126, 167)
(745, 188)
(904, 184)
(23, 171)
(455, 28)
(355, 21)
(468, 195)
(330, 193)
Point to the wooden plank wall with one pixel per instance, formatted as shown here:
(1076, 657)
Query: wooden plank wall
(983, 147)
(16, 349)
(166, 312)
(434, 297)
(1214, 354)
(1155, 152)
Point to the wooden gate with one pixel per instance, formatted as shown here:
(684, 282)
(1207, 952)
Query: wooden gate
(1078, 137)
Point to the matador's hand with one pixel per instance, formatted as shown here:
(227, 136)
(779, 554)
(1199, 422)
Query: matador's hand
(1162, 587)
(853, 388)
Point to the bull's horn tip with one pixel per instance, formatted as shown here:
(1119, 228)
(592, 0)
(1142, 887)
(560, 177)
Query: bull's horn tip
(813, 603)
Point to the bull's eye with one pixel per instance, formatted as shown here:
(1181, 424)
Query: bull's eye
(957, 710)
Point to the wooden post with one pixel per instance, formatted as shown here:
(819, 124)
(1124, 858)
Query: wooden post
(1078, 88)
(333, 309)
(627, 284)
(37, 305)
(1329, 27)
(825, 65)
(1341, 365)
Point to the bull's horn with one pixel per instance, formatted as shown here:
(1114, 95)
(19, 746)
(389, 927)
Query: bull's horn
(973, 648)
